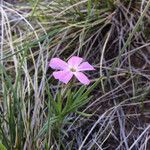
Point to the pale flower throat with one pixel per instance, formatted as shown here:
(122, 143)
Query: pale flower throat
(73, 69)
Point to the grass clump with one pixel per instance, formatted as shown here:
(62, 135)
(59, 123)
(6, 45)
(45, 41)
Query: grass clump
(113, 36)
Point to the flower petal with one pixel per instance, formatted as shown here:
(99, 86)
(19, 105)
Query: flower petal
(85, 66)
(75, 61)
(82, 78)
(57, 63)
(63, 76)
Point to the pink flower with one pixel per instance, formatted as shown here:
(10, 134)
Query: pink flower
(73, 67)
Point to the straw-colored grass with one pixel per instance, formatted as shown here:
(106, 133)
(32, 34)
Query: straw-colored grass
(112, 112)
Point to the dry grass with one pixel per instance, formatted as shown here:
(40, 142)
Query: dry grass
(113, 36)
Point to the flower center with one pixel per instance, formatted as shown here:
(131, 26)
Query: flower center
(73, 69)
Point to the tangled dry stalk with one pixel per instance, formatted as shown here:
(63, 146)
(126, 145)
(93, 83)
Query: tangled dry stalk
(113, 35)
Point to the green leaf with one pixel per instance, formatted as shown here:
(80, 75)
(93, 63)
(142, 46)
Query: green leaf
(69, 101)
(77, 105)
(79, 92)
(89, 7)
(89, 90)
(59, 102)
(84, 114)
(46, 125)
(2, 147)
(54, 107)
